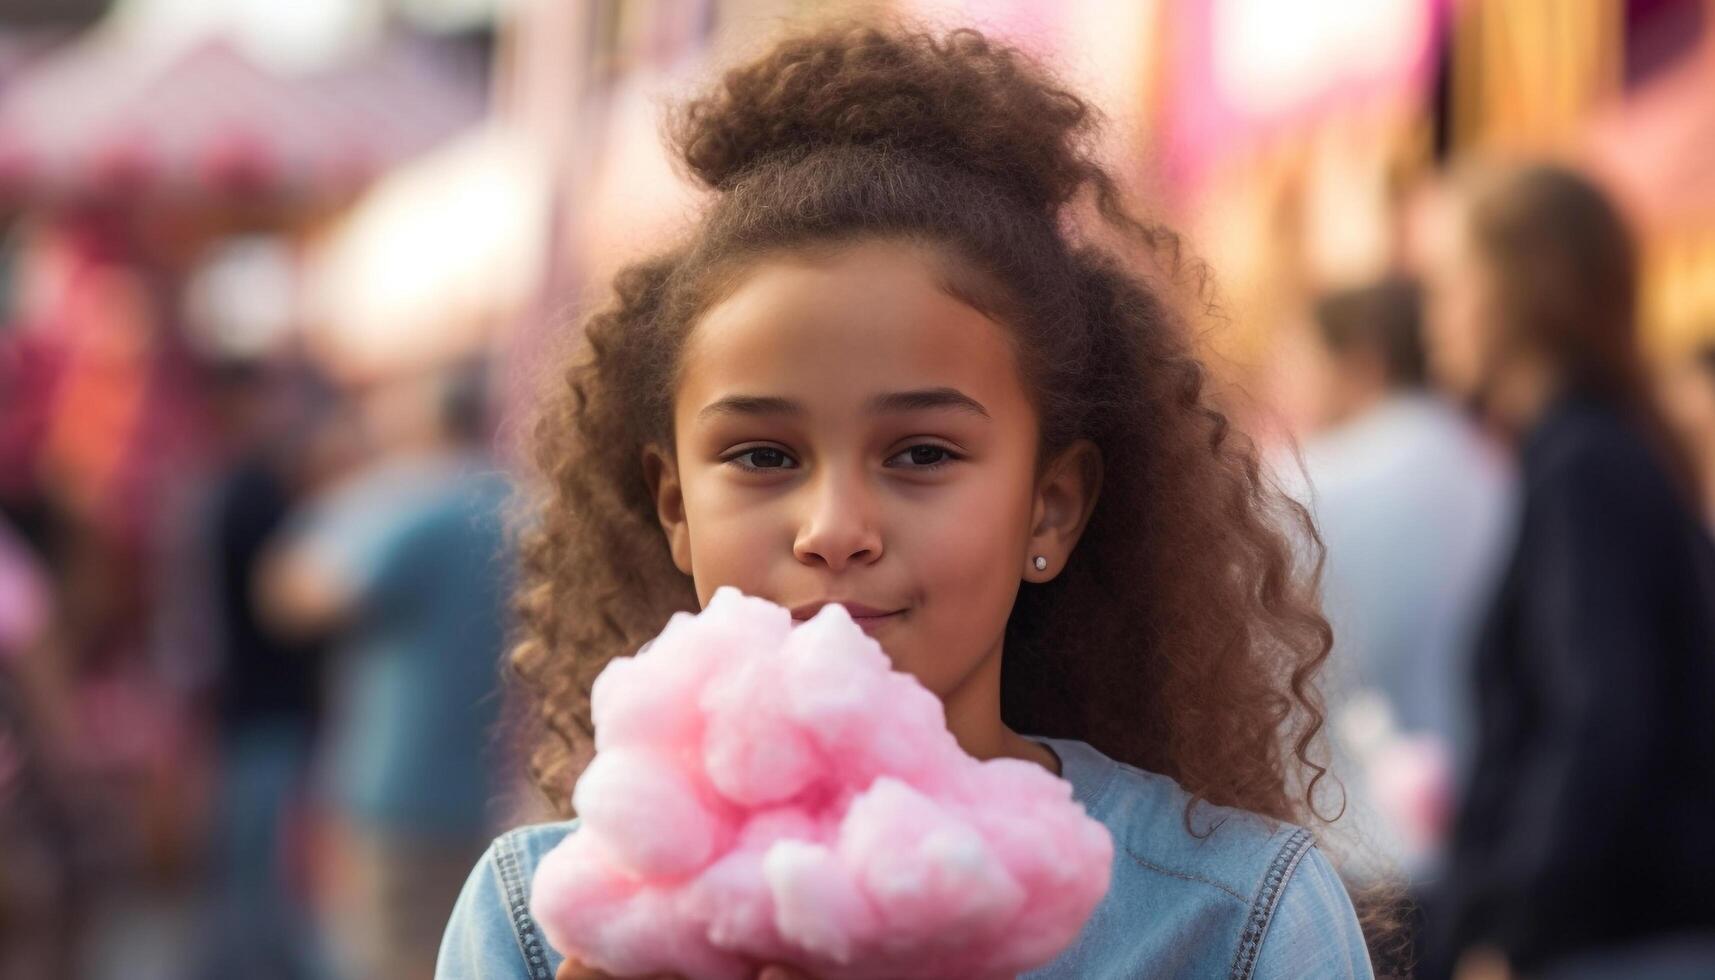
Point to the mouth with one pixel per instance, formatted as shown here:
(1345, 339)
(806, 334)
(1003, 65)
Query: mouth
(870, 618)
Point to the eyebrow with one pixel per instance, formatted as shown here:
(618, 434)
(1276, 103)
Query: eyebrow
(917, 400)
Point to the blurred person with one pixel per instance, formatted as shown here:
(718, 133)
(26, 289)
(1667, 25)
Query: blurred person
(1582, 846)
(99, 419)
(111, 420)
(1690, 402)
(39, 881)
(1412, 503)
(400, 564)
(31, 362)
(264, 687)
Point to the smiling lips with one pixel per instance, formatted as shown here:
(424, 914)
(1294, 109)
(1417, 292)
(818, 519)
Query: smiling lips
(868, 617)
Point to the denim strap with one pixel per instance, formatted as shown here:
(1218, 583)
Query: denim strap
(515, 888)
(1267, 897)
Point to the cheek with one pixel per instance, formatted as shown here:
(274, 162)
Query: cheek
(734, 541)
(965, 558)
(967, 551)
(968, 539)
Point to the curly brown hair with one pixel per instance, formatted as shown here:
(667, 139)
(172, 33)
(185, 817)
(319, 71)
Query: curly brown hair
(1180, 638)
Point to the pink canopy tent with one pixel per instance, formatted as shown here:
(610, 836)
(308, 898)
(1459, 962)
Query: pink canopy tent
(1240, 73)
(109, 116)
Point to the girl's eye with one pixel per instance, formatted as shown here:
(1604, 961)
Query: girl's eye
(925, 457)
(761, 458)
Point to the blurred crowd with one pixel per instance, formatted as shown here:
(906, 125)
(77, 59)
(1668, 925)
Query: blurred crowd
(249, 649)
(1521, 580)
(253, 574)
(252, 581)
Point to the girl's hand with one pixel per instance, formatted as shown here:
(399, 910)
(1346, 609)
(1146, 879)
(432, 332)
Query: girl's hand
(573, 970)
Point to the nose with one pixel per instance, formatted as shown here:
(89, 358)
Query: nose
(840, 525)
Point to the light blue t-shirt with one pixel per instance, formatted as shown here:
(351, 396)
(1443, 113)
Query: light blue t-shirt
(1250, 899)
(419, 546)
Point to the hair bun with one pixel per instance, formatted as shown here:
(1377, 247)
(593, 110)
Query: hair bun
(959, 99)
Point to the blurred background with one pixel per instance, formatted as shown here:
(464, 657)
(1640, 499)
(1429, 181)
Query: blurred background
(275, 279)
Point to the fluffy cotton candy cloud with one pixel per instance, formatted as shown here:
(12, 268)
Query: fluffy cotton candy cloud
(769, 793)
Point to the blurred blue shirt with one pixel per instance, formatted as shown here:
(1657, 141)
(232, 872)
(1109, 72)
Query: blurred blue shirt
(1415, 510)
(418, 543)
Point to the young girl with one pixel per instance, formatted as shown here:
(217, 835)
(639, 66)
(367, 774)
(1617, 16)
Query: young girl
(889, 369)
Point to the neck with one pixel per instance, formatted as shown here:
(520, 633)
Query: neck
(1359, 407)
(1520, 394)
(1361, 385)
(973, 716)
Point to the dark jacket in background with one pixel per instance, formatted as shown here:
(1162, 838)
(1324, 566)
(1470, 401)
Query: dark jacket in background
(1589, 821)
(262, 678)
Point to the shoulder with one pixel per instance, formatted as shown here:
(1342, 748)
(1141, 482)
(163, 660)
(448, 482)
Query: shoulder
(472, 491)
(518, 851)
(491, 933)
(1291, 910)
(1219, 893)
(1158, 827)
(1593, 481)
(1587, 450)
(1312, 929)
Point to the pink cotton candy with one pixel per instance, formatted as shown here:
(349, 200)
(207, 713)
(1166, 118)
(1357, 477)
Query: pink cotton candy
(769, 793)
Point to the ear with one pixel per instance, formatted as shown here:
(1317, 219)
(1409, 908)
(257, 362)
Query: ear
(661, 473)
(1065, 499)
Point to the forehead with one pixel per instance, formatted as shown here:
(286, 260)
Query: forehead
(838, 329)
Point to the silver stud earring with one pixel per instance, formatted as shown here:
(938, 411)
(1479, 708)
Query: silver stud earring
(1041, 563)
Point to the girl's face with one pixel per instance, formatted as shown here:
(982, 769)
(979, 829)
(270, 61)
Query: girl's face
(847, 431)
